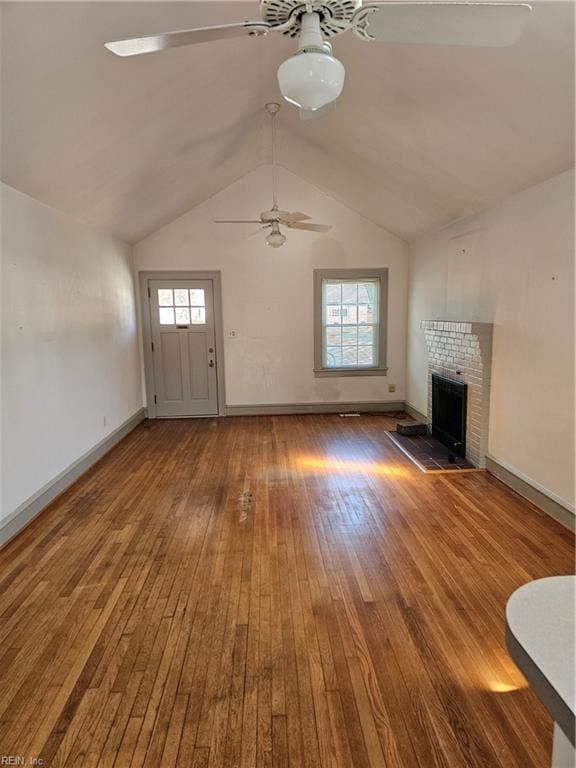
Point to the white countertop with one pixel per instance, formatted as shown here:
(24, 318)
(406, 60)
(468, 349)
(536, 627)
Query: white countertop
(540, 619)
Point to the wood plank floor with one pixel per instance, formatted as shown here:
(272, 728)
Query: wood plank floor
(286, 591)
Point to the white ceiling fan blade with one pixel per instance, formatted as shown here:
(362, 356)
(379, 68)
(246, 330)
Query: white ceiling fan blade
(312, 114)
(296, 216)
(480, 24)
(134, 46)
(237, 221)
(309, 227)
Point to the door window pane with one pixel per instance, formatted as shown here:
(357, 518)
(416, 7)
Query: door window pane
(165, 297)
(183, 315)
(198, 315)
(166, 315)
(181, 297)
(197, 297)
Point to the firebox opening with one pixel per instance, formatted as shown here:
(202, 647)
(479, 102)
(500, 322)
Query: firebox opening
(449, 413)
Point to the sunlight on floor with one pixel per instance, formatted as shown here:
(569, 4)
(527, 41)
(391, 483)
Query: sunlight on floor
(507, 680)
(334, 464)
(496, 686)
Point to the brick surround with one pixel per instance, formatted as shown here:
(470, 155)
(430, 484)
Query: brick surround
(463, 351)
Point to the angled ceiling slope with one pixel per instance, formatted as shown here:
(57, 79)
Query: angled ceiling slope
(422, 135)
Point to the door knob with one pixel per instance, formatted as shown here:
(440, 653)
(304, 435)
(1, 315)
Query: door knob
(211, 363)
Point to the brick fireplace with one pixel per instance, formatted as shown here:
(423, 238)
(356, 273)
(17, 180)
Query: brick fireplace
(462, 352)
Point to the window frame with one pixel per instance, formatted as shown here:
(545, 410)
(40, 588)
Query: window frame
(380, 274)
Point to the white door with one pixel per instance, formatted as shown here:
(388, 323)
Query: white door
(183, 347)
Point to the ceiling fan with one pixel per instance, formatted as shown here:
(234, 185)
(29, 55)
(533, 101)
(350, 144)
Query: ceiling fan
(313, 78)
(274, 217)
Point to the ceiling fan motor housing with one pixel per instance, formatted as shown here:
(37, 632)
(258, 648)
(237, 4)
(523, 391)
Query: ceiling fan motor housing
(272, 215)
(335, 15)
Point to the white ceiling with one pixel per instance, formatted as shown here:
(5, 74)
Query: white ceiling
(422, 135)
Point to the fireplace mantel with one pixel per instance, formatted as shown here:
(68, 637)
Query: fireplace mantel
(456, 326)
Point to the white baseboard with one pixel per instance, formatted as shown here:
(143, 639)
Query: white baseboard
(288, 409)
(28, 510)
(548, 502)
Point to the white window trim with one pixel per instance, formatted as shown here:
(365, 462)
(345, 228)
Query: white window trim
(350, 274)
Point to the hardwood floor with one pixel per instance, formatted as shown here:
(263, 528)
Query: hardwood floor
(286, 591)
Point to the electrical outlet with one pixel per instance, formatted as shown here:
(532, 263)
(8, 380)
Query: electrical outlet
(391, 387)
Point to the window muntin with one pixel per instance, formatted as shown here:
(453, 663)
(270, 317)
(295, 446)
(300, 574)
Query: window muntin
(182, 306)
(350, 323)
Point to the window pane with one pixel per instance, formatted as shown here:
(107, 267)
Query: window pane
(350, 293)
(333, 314)
(366, 356)
(366, 313)
(366, 334)
(181, 297)
(366, 293)
(332, 293)
(197, 297)
(333, 357)
(350, 336)
(333, 337)
(166, 315)
(183, 315)
(198, 315)
(165, 297)
(349, 356)
(349, 314)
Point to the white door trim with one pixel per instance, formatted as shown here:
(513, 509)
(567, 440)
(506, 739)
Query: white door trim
(216, 278)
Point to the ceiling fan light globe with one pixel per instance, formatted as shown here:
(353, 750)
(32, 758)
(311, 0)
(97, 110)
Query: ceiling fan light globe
(275, 239)
(311, 80)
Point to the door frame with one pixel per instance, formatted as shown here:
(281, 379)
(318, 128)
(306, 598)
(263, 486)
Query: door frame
(216, 278)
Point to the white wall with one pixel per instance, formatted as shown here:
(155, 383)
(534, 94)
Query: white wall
(267, 293)
(512, 266)
(70, 366)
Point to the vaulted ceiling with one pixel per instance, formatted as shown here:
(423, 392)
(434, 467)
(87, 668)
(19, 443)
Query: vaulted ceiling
(422, 135)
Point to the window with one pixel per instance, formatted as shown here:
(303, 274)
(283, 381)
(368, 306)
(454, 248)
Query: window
(350, 322)
(181, 306)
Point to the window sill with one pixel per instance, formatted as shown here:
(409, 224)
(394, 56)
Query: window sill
(341, 372)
